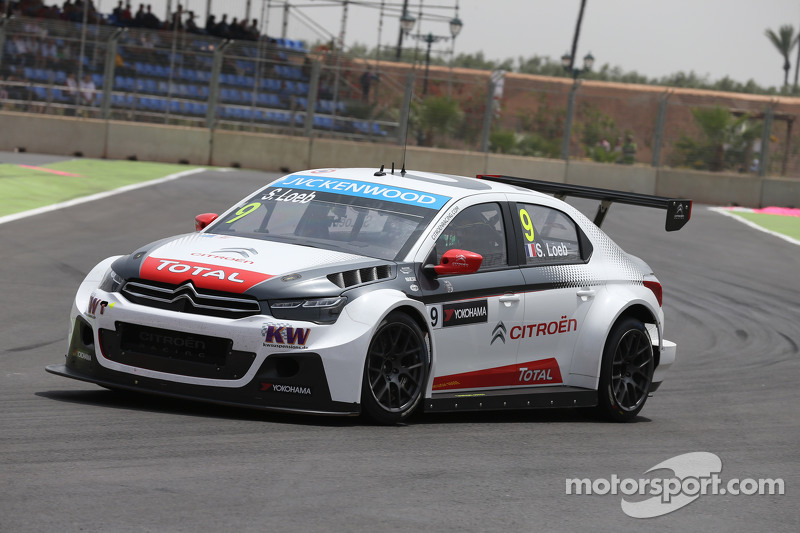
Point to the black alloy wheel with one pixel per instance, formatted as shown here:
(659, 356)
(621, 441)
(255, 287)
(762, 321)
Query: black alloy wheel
(396, 370)
(627, 371)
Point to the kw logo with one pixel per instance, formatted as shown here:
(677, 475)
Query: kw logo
(244, 252)
(499, 332)
(276, 335)
(94, 304)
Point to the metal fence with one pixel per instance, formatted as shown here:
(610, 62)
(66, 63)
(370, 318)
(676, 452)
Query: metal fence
(281, 86)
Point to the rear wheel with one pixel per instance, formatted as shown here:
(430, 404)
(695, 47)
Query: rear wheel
(395, 371)
(627, 371)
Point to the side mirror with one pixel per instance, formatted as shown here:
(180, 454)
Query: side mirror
(458, 262)
(201, 221)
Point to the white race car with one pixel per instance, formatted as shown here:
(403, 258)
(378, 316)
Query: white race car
(347, 291)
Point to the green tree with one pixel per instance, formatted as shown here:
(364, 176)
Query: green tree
(438, 115)
(784, 41)
(725, 141)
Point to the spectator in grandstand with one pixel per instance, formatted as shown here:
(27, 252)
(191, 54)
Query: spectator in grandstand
(122, 14)
(366, 82)
(211, 23)
(628, 151)
(252, 31)
(176, 23)
(71, 93)
(150, 19)
(139, 18)
(88, 91)
(235, 30)
(118, 11)
(22, 50)
(48, 54)
(223, 28)
(191, 25)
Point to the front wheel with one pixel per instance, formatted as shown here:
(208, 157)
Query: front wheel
(395, 371)
(627, 371)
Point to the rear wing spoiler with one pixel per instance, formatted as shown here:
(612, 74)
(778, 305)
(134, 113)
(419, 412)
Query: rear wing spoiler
(679, 211)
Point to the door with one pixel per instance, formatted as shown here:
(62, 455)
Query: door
(561, 289)
(472, 315)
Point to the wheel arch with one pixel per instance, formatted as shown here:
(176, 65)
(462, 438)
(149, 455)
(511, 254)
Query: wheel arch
(587, 358)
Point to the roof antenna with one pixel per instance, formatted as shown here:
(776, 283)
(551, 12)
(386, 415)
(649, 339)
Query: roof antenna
(380, 172)
(409, 95)
(392, 168)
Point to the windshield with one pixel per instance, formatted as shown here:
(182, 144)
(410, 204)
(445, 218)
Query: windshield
(305, 214)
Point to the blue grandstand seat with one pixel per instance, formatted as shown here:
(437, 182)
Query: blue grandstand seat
(150, 86)
(271, 84)
(40, 93)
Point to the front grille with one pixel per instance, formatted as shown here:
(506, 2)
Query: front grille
(360, 276)
(186, 298)
(174, 352)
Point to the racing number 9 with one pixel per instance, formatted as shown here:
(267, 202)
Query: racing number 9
(527, 224)
(244, 211)
(434, 316)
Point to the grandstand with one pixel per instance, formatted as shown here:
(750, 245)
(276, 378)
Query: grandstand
(176, 77)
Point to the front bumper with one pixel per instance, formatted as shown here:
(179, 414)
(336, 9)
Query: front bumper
(292, 382)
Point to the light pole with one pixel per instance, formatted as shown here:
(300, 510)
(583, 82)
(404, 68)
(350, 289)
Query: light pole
(429, 39)
(407, 22)
(568, 63)
(455, 29)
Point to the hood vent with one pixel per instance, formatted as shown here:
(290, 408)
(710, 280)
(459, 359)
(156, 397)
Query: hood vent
(351, 278)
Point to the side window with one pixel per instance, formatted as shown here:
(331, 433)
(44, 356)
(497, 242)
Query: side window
(549, 236)
(479, 229)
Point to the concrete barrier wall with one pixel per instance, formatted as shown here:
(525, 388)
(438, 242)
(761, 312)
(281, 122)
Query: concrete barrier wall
(781, 192)
(264, 152)
(628, 178)
(526, 167)
(49, 134)
(711, 187)
(152, 142)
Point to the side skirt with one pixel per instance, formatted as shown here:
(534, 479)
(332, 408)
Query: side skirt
(527, 398)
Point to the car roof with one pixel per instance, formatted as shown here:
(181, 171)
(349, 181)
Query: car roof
(450, 185)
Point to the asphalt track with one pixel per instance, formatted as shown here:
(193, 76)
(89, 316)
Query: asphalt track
(75, 457)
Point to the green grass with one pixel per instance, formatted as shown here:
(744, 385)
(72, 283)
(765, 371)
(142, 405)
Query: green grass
(22, 189)
(789, 226)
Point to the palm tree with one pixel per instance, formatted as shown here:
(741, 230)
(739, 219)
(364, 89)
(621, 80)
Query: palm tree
(784, 41)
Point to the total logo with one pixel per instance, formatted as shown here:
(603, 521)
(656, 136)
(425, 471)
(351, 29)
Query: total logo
(95, 304)
(285, 336)
(201, 274)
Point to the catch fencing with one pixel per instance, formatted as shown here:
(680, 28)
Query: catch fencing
(282, 86)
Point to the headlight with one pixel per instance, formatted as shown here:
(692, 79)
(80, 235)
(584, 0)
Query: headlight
(111, 281)
(319, 310)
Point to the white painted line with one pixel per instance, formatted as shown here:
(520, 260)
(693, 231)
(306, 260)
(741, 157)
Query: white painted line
(99, 196)
(729, 213)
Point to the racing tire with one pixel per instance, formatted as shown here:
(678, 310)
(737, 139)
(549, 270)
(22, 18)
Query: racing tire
(627, 371)
(395, 371)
